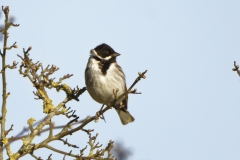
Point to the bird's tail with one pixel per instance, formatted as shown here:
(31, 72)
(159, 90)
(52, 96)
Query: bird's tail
(125, 116)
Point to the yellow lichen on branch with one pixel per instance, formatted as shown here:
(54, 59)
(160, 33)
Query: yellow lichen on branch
(30, 121)
(47, 103)
(67, 89)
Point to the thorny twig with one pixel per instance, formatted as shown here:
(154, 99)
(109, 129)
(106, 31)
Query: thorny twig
(65, 142)
(236, 68)
(13, 66)
(49, 157)
(10, 129)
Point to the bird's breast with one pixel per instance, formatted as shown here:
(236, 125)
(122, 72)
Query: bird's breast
(101, 86)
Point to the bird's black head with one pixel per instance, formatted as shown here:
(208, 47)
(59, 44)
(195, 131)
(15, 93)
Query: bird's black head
(105, 52)
(105, 55)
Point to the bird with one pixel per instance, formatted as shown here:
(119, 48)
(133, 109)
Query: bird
(103, 76)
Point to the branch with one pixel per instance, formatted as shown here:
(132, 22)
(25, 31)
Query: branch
(140, 76)
(10, 129)
(35, 157)
(26, 130)
(65, 142)
(4, 31)
(13, 66)
(12, 46)
(236, 68)
(49, 157)
(70, 153)
(22, 151)
(59, 151)
(65, 132)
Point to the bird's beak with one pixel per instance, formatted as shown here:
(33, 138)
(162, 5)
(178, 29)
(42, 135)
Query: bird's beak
(116, 54)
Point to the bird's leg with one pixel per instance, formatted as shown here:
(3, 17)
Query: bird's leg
(102, 108)
(100, 114)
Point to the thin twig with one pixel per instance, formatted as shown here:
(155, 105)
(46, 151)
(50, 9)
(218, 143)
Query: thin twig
(69, 153)
(13, 139)
(236, 68)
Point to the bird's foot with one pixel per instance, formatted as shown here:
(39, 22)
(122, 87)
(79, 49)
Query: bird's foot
(100, 115)
(119, 106)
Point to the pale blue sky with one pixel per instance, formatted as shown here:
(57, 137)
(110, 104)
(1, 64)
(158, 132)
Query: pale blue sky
(189, 109)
